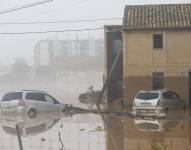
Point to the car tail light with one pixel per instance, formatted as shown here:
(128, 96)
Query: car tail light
(21, 102)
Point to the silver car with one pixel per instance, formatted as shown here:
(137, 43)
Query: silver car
(159, 102)
(29, 101)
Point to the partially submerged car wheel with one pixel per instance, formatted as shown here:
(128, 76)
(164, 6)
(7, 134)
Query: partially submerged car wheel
(166, 110)
(32, 113)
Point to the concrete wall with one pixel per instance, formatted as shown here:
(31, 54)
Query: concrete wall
(140, 60)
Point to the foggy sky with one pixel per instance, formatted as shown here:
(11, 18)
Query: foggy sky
(13, 46)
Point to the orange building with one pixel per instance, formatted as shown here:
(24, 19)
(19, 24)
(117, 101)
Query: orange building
(156, 51)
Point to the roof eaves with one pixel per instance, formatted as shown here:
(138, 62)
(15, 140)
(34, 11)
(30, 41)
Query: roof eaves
(155, 29)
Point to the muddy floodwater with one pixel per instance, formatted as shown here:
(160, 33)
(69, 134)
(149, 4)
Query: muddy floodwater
(53, 132)
(113, 130)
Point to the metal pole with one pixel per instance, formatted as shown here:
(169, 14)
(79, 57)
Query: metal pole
(108, 78)
(100, 98)
(19, 137)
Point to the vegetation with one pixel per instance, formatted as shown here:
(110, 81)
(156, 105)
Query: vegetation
(90, 97)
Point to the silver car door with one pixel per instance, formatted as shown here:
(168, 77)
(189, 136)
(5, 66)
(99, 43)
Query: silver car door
(50, 103)
(168, 100)
(178, 104)
(35, 100)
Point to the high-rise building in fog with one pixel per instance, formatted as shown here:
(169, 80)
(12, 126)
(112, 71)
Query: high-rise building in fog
(48, 52)
(43, 53)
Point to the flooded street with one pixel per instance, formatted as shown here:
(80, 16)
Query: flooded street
(52, 131)
(115, 129)
(95, 75)
(84, 129)
(135, 133)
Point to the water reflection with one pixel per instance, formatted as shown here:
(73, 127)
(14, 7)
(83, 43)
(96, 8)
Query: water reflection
(52, 131)
(27, 126)
(169, 133)
(114, 131)
(152, 124)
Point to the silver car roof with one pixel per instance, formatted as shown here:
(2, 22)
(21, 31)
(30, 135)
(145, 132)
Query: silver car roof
(157, 91)
(34, 91)
(38, 91)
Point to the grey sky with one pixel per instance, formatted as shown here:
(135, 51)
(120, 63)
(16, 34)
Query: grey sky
(12, 46)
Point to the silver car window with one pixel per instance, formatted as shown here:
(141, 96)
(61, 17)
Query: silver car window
(12, 96)
(49, 99)
(169, 95)
(175, 95)
(35, 96)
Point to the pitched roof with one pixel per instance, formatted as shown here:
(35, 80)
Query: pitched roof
(163, 16)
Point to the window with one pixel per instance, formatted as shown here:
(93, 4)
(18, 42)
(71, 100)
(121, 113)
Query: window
(176, 95)
(170, 95)
(35, 96)
(167, 95)
(158, 80)
(147, 95)
(50, 99)
(157, 41)
(12, 96)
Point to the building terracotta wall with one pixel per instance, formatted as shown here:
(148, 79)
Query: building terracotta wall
(140, 60)
(135, 84)
(138, 48)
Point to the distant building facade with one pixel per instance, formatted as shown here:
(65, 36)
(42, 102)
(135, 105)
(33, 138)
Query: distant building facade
(48, 52)
(42, 53)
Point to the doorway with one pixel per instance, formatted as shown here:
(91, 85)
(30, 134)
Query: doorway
(158, 80)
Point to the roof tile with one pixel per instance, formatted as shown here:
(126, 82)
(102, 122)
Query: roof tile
(163, 16)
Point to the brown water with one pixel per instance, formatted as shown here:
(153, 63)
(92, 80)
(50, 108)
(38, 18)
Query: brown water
(112, 131)
(118, 131)
(168, 133)
(54, 132)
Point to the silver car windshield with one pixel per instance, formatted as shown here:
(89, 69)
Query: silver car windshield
(147, 95)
